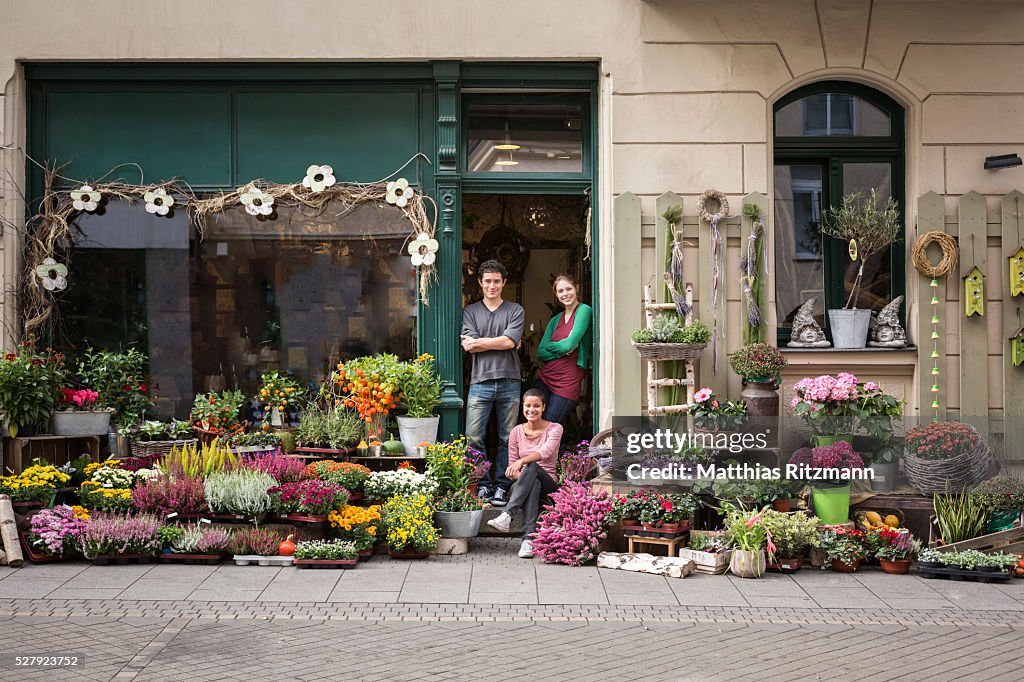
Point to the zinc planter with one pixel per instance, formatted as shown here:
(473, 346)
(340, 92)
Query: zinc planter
(459, 524)
(415, 430)
(92, 423)
(884, 476)
(747, 564)
(761, 396)
(849, 327)
(832, 505)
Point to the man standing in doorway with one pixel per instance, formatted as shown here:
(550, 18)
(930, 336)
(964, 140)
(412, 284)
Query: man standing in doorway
(491, 331)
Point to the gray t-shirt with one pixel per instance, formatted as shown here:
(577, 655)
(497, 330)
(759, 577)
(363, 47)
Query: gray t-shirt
(480, 323)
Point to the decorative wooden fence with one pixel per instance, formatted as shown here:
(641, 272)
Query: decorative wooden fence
(977, 380)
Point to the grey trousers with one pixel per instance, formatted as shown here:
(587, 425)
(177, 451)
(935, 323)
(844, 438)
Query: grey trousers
(533, 484)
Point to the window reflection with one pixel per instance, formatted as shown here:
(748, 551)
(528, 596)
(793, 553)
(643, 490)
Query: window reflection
(799, 268)
(831, 114)
(535, 138)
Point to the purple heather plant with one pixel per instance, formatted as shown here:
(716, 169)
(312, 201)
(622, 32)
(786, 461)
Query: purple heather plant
(56, 531)
(313, 497)
(174, 492)
(261, 541)
(284, 469)
(214, 541)
(120, 534)
(573, 525)
(575, 463)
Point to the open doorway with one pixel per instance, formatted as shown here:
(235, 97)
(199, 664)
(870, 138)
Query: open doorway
(536, 237)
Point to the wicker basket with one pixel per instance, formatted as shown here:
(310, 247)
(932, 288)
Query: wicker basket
(157, 448)
(669, 351)
(929, 476)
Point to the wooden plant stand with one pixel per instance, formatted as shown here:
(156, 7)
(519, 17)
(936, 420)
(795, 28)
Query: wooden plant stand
(671, 540)
(55, 450)
(651, 307)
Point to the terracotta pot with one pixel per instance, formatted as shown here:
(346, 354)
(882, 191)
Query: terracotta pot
(782, 505)
(762, 397)
(630, 522)
(897, 567)
(843, 567)
(407, 554)
(787, 565)
(671, 527)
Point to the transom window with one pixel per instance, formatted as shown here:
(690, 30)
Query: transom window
(831, 139)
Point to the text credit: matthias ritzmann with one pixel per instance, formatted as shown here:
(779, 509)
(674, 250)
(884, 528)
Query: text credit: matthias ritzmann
(793, 472)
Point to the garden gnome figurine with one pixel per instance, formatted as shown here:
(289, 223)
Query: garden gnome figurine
(806, 332)
(886, 331)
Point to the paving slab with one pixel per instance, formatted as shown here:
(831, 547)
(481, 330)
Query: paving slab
(113, 576)
(498, 579)
(418, 592)
(502, 597)
(643, 598)
(71, 591)
(296, 584)
(845, 598)
(706, 590)
(29, 589)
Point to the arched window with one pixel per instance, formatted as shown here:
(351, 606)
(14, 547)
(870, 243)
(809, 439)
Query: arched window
(832, 138)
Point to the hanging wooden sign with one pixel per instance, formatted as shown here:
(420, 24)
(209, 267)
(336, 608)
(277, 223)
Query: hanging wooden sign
(974, 293)
(1017, 347)
(1017, 273)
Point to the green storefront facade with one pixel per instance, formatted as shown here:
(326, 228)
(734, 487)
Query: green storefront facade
(216, 127)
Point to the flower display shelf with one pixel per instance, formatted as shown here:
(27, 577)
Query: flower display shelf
(121, 559)
(951, 573)
(786, 565)
(229, 518)
(259, 560)
(638, 535)
(325, 563)
(652, 532)
(257, 450)
(407, 554)
(187, 518)
(709, 563)
(203, 559)
(323, 453)
(303, 521)
(37, 557)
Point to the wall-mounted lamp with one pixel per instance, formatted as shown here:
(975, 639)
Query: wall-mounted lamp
(1002, 161)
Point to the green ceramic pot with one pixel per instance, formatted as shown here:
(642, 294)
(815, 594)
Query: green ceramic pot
(832, 505)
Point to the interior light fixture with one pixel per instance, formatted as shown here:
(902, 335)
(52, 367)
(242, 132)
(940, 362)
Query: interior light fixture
(507, 162)
(1002, 161)
(507, 145)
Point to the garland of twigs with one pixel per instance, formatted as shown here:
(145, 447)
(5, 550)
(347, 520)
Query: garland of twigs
(717, 266)
(919, 254)
(49, 234)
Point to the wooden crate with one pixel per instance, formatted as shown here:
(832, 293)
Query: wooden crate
(1009, 541)
(707, 562)
(55, 450)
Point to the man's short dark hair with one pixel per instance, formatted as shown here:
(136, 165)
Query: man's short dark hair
(491, 266)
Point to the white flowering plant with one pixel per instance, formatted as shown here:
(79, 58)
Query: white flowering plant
(383, 485)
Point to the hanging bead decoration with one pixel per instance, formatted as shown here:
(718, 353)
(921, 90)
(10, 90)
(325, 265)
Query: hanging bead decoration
(935, 348)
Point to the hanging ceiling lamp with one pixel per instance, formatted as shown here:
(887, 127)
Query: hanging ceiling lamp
(507, 146)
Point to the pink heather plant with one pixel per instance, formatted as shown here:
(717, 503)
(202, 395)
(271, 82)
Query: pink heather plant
(840, 455)
(113, 534)
(313, 497)
(573, 525)
(214, 541)
(261, 541)
(171, 493)
(56, 531)
(284, 469)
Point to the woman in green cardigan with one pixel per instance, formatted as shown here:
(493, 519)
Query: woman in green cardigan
(565, 351)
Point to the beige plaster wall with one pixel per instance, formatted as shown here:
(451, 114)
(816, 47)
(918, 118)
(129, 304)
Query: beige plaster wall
(687, 89)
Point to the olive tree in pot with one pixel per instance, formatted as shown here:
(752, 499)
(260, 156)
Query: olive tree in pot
(869, 227)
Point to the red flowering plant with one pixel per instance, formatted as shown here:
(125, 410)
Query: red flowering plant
(840, 544)
(674, 508)
(942, 440)
(82, 400)
(714, 413)
(839, 458)
(894, 544)
(310, 497)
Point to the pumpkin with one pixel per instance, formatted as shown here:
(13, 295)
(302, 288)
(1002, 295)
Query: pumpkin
(892, 521)
(287, 548)
(873, 517)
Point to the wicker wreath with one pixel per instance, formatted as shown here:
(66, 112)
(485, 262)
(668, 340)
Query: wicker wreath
(723, 206)
(919, 254)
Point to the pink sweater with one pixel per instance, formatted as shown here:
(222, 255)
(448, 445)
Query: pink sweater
(546, 443)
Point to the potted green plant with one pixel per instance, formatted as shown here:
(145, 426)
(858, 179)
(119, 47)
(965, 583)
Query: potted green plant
(153, 438)
(420, 385)
(330, 431)
(792, 533)
(869, 227)
(216, 414)
(875, 413)
(717, 414)
(279, 394)
(1003, 496)
(896, 548)
(748, 536)
(458, 514)
(120, 380)
(29, 383)
(325, 554)
(760, 365)
(843, 548)
(959, 516)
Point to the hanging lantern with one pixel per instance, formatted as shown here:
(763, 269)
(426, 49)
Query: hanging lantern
(974, 293)
(1017, 273)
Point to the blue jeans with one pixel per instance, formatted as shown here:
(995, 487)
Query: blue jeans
(502, 395)
(556, 408)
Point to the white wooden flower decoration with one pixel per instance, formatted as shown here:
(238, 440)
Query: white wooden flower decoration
(85, 198)
(158, 201)
(318, 178)
(257, 202)
(399, 192)
(53, 275)
(423, 250)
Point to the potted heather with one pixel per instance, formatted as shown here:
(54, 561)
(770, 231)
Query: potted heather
(325, 554)
(115, 536)
(238, 495)
(573, 525)
(760, 365)
(258, 545)
(308, 501)
(174, 495)
(829, 468)
(79, 415)
(195, 544)
(869, 227)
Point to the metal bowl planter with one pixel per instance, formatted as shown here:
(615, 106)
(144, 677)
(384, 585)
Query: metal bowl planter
(464, 524)
(72, 423)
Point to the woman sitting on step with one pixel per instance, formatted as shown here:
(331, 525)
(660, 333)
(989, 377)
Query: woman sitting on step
(532, 466)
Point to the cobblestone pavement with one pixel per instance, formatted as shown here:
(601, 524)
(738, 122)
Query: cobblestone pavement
(245, 623)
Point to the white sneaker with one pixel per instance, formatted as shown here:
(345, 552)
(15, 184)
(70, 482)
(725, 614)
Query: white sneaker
(526, 550)
(502, 522)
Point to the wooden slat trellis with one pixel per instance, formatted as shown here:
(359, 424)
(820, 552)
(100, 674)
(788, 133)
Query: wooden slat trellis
(973, 237)
(931, 217)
